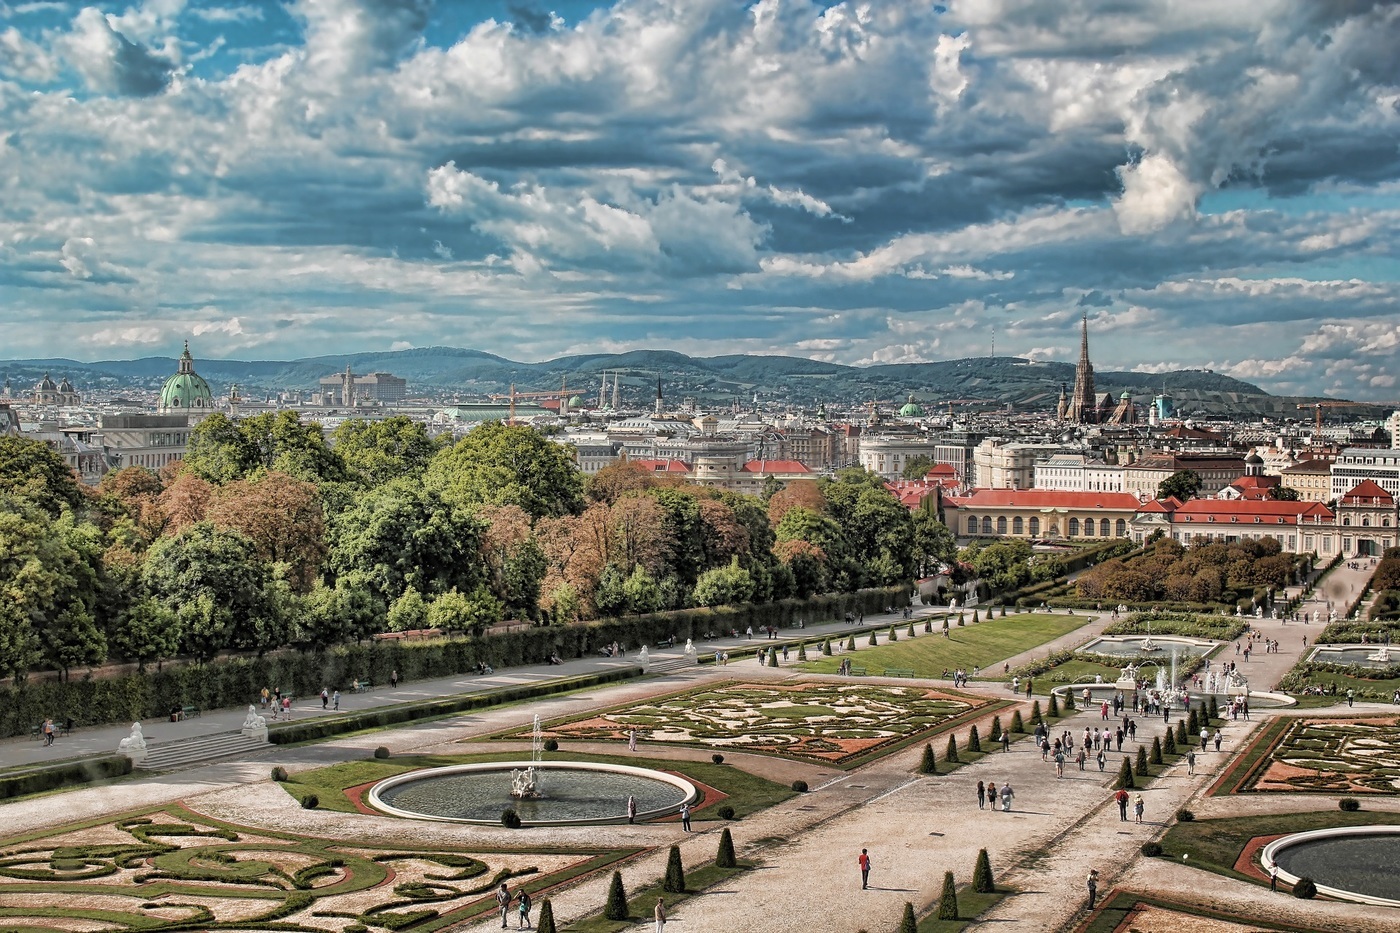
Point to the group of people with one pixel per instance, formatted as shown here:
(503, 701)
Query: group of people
(959, 676)
(990, 794)
(522, 905)
(275, 701)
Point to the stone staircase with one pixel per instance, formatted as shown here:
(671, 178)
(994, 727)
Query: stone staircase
(670, 666)
(199, 750)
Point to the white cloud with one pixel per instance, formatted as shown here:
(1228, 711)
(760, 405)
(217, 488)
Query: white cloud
(110, 62)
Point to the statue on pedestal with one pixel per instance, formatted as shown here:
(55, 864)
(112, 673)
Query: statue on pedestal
(134, 745)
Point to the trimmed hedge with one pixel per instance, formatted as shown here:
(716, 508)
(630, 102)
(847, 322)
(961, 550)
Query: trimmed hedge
(71, 774)
(237, 681)
(292, 732)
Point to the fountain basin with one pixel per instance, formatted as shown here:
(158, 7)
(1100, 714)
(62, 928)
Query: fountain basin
(1352, 863)
(1161, 646)
(575, 793)
(1371, 656)
(1258, 699)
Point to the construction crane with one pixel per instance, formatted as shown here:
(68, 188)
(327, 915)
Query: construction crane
(1335, 403)
(562, 393)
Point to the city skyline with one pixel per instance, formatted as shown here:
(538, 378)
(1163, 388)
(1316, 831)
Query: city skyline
(1216, 185)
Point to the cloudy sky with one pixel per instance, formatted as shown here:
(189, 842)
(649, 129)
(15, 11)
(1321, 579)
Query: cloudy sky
(1216, 183)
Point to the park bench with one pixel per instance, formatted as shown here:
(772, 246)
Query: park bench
(189, 712)
(899, 672)
(857, 671)
(36, 731)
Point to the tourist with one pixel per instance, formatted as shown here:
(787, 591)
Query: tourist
(1217, 740)
(1205, 737)
(523, 901)
(1102, 759)
(503, 901)
(1059, 764)
(1006, 740)
(631, 809)
(325, 698)
(659, 914)
(394, 679)
(1351, 697)
(1138, 806)
(981, 795)
(48, 730)
(864, 863)
(1191, 759)
(992, 794)
(685, 817)
(1121, 798)
(631, 740)
(335, 700)
(1273, 877)
(1092, 883)
(1006, 795)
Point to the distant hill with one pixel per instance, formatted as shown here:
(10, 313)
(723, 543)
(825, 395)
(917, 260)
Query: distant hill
(448, 370)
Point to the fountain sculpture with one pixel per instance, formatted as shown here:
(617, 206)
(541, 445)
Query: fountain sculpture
(1383, 655)
(525, 782)
(134, 745)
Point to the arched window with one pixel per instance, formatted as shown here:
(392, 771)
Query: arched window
(1001, 525)
(1122, 528)
(1035, 525)
(1074, 527)
(986, 524)
(1366, 521)
(972, 524)
(1018, 527)
(1105, 529)
(1346, 519)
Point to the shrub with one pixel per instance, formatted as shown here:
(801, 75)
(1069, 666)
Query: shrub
(725, 812)
(1349, 804)
(546, 919)
(800, 786)
(975, 616)
(1017, 725)
(1125, 775)
(802, 651)
(995, 734)
(1182, 738)
(1185, 816)
(551, 745)
(724, 857)
(381, 752)
(717, 758)
(1003, 610)
(1193, 724)
(279, 773)
(851, 643)
(948, 899)
(826, 647)
(310, 802)
(675, 873)
(910, 633)
(1305, 888)
(1140, 765)
(63, 775)
(908, 923)
(974, 741)
(893, 635)
(1069, 701)
(510, 819)
(1214, 708)
(1036, 717)
(928, 764)
(616, 908)
(1168, 743)
(1156, 757)
(1151, 849)
(872, 642)
(1052, 709)
(961, 621)
(982, 881)
(951, 753)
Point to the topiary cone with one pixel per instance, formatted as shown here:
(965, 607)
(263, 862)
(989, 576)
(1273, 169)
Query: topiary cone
(851, 643)
(893, 635)
(546, 922)
(951, 753)
(974, 741)
(675, 873)
(1140, 766)
(826, 647)
(1156, 756)
(616, 908)
(982, 881)
(1052, 709)
(872, 641)
(909, 923)
(1125, 776)
(948, 900)
(928, 764)
(724, 858)
(1017, 725)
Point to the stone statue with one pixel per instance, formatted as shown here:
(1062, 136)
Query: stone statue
(1383, 655)
(644, 658)
(691, 656)
(524, 784)
(134, 745)
(255, 726)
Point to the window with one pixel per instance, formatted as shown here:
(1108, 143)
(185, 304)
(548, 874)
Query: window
(1365, 521)
(1017, 526)
(1105, 528)
(972, 524)
(1001, 525)
(1122, 527)
(1073, 527)
(986, 524)
(1346, 519)
(1035, 526)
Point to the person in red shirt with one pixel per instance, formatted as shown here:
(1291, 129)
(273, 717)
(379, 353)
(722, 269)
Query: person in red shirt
(864, 863)
(1122, 798)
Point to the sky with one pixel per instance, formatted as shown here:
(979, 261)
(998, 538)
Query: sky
(1214, 183)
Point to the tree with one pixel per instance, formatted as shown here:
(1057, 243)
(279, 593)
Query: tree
(546, 921)
(928, 764)
(618, 479)
(724, 856)
(934, 544)
(917, 467)
(1183, 485)
(675, 873)
(641, 592)
(283, 443)
(724, 586)
(148, 631)
(39, 473)
(470, 612)
(376, 452)
(908, 923)
(281, 516)
(73, 635)
(219, 452)
(508, 465)
(951, 753)
(185, 501)
(616, 907)
(1283, 493)
(409, 612)
(1125, 775)
(948, 899)
(982, 880)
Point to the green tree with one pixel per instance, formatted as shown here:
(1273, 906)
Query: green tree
(1284, 493)
(148, 631)
(286, 445)
(471, 612)
(409, 612)
(674, 882)
(948, 899)
(616, 907)
(376, 452)
(219, 452)
(497, 464)
(982, 880)
(908, 923)
(546, 920)
(37, 472)
(917, 467)
(724, 856)
(724, 586)
(928, 764)
(1183, 484)
(951, 753)
(934, 544)
(1125, 775)
(641, 592)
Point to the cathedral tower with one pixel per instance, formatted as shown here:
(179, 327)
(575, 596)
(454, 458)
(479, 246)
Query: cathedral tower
(1083, 407)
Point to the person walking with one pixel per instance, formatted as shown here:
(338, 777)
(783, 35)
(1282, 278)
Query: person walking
(1191, 759)
(659, 914)
(1217, 740)
(981, 795)
(1138, 807)
(864, 863)
(631, 740)
(1205, 737)
(1006, 794)
(503, 902)
(1351, 697)
(1060, 764)
(631, 809)
(1092, 883)
(1102, 759)
(394, 679)
(1273, 878)
(992, 793)
(522, 901)
(335, 700)
(48, 732)
(685, 817)
(1121, 798)
(325, 698)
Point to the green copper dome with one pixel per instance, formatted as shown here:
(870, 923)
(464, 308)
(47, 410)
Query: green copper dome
(186, 390)
(911, 409)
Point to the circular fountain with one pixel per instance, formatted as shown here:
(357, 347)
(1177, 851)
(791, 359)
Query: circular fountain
(564, 793)
(1375, 657)
(1352, 863)
(1149, 646)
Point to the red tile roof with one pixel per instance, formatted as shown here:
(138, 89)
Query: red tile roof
(1043, 499)
(1368, 492)
(663, 466)
(1224, 510)
(775, 466)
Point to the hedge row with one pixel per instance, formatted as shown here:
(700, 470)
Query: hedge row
(237, 681)
(69, 774)
(324, 727)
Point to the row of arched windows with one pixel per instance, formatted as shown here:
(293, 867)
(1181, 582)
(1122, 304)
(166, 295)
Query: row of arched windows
(1103, 528)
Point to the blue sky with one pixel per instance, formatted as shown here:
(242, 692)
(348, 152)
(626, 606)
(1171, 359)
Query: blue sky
(1215, 182)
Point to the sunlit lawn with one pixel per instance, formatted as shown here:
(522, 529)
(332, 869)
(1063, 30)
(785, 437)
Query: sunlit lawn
(966, 647)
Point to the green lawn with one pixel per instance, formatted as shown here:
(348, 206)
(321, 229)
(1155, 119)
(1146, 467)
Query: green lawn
(966, 647)
(1073, 672)
(1370, 689)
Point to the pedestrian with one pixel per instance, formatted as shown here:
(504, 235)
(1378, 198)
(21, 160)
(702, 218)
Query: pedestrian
(685, 817)
(1273, 878)
(1006, 795)
(992, 793)
(1121, 798)
(1092, 883)
(523, 902)
(631, 809)
(335, 699)
(1217, 740)
(981, 794)
(1005, 740)
(1102, 759)
(1138, 807)
(1205, 737)
(48, 732)
(631, 740)
(864, 863)
(503, 902)
(287, 707)
(1351, 697)
(1191, 759)
(325, 698)
(394, 679)
(659, 914)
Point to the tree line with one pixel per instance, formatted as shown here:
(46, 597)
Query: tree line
(270, 534)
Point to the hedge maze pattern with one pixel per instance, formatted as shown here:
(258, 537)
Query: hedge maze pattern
(1335, 756)
(826, 722)
(172, 870)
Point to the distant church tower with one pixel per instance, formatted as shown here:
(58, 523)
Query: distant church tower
(1062, 409)
(1083, 406)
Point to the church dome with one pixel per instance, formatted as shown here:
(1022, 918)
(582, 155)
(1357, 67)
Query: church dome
(186, 390)
(911, 409)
